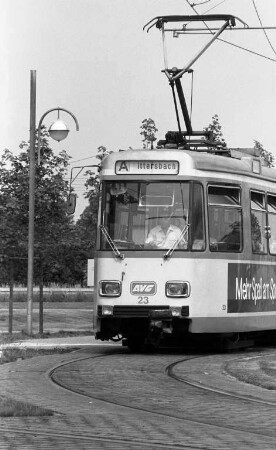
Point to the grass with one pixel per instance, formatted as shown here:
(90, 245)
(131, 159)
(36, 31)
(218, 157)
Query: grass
(14, 354)
(75, 317)
(13, 408)
(6, 338)
(50, 296)
(259, 372)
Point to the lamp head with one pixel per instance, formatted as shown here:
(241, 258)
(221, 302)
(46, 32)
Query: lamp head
(58, 130)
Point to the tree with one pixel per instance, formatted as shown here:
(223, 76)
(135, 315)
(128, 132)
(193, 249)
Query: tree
(87, 224)
(54, 229)
(216, 129)
(148, 132)
(267, 157)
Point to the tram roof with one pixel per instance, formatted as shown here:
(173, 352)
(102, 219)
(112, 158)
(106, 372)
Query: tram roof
(192, 161)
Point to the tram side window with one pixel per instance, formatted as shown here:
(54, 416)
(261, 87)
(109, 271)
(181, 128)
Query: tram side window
(225, 219)
(258, 222)
(271, 207)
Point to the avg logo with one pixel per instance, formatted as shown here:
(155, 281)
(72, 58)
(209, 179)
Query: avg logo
(143, 287)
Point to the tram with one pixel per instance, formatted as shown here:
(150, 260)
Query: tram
(222, 281)
(212, 269)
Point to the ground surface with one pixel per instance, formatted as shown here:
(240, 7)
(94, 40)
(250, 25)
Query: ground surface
(128, 401)
(57, 316)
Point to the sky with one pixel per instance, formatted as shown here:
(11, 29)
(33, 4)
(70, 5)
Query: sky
(93, 58)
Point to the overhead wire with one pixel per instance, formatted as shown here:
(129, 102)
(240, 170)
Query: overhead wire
(202, 3)
(83, 159)
(213, 7)
(265, 33)
(227, 42)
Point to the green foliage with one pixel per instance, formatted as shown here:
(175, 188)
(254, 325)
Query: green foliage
(148, 132)
(86, 226)
(14, 408)
(92, 184)
(267, 157)
(216, 129)
(55, 242)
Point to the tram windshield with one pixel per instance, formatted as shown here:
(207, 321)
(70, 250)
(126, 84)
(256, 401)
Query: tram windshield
(150, 215)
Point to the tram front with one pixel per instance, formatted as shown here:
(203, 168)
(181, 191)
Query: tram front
(150, 221)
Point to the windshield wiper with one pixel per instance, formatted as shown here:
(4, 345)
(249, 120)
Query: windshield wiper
(169, 253)
(112, 244)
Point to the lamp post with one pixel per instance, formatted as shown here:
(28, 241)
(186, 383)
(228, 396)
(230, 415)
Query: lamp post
(58, 131)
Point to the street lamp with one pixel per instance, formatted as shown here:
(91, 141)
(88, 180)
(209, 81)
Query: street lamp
(58, 131)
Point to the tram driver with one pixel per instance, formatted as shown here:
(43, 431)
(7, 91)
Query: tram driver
(165, 234)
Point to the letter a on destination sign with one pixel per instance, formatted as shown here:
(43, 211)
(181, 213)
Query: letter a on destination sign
(123, 166)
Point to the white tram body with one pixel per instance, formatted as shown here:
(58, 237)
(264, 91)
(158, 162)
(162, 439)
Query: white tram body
(224, 278)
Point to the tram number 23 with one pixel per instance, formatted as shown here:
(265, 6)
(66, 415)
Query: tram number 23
(142, 300)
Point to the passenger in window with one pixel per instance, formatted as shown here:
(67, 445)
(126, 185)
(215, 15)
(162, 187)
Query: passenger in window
(165, 235)
(213, 244)
(233, 239)
(198, 244)
(257, 244)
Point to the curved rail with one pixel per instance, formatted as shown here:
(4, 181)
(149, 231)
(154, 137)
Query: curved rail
(150, 373)
(170, 371)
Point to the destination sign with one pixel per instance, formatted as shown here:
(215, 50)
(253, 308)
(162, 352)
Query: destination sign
(146, 167)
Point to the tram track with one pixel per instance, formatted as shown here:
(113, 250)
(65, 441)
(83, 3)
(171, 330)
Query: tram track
(94, 438)
(169, 370)
(185, 380)
(144, 365)
(91, 438)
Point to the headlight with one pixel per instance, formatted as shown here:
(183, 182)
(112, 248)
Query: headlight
(105, 310)
(110, 288)
(178, 289)
(176, 311)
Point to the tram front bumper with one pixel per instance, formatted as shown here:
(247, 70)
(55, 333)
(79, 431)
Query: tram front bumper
(133, 320)
(150, 312)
